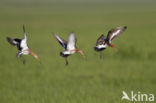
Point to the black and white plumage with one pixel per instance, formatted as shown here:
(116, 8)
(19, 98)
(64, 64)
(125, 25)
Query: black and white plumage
(113, 33)
(22, 46)
(15, 42)
(102, 42)
(69, 47)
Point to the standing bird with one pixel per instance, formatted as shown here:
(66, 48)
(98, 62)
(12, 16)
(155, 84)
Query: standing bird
(69, 47)
(22, 47)
(103, 42)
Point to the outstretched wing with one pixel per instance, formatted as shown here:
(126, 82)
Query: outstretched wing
(24, 40)
(15, 42)
(113, 33)
(12, 41)
(71, 42)
(62, 42)
(100, 40)
(25, 36)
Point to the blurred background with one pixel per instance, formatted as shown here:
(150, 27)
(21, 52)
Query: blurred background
(83, 81)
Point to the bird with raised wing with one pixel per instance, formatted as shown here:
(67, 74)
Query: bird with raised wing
(22, 47)
(103, 42)
(69, 47)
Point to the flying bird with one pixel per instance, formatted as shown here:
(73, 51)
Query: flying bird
(103, 42)
(22, 47)
(69, 47)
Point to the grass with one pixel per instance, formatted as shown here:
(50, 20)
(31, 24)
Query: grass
(83, 81)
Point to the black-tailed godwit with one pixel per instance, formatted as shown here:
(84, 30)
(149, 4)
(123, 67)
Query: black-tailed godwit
(69, 47)
(22, 46)
(103, 42)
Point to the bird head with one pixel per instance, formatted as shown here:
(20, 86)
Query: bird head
(113, 46)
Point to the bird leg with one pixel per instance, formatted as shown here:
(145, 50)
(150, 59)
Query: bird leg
(66, 61)
(23, 60)
(18, 54)
(101, 55)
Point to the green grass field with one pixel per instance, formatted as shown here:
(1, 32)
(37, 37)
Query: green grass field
(92, 80)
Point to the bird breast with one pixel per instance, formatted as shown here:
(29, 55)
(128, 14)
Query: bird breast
(25, 52)
(102, 46)
(69, 52)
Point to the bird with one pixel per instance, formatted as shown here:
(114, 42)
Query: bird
(22, 47)
(103, 42)
(69, 46)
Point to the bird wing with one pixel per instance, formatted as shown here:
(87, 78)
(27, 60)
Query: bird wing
(24, 45)
(100, 40)
(62, 42)
(15, 42)
(113, 33)
(71, 42)
(25, 36)
(12, 41)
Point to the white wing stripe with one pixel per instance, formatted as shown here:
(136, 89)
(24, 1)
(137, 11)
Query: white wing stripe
(114, 34)
(59, 38)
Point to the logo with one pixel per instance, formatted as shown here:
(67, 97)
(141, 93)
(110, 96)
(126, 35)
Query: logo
(138, 96)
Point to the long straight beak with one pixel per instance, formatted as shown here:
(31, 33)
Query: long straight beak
(38, 59)
(81, 52)
(34, 55)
